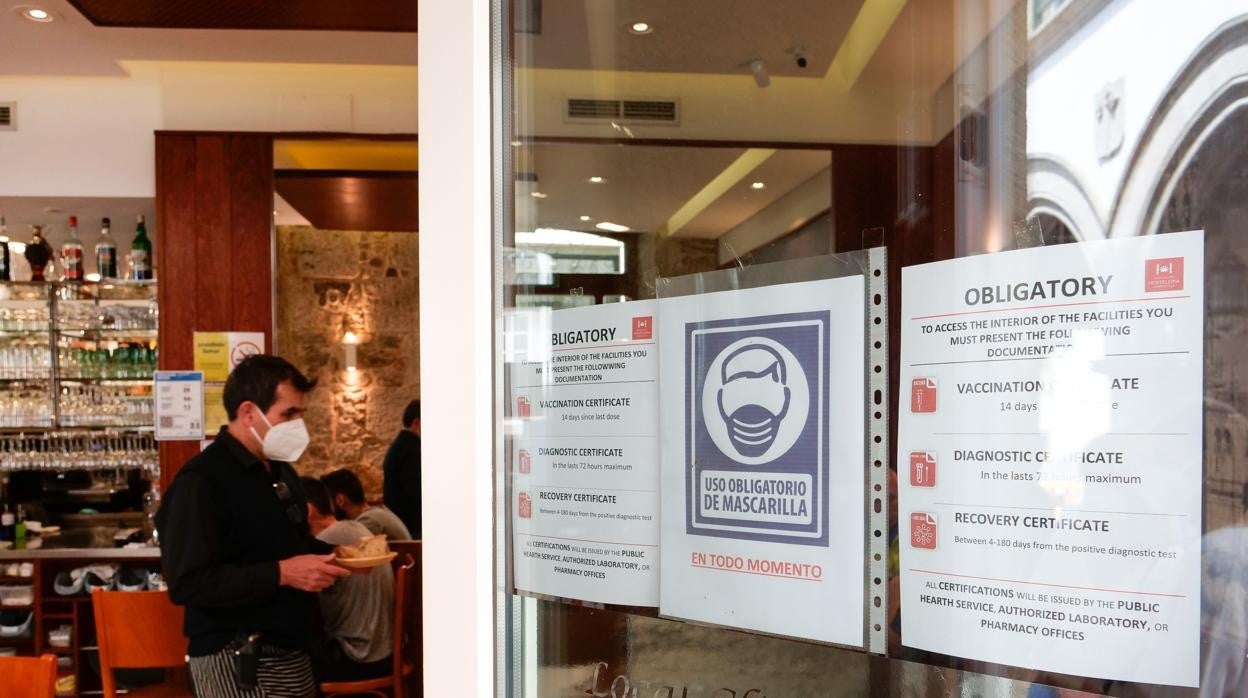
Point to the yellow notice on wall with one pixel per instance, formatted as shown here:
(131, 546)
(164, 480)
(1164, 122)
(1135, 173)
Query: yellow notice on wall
(217, 353)
(212, 356)
(215, 416)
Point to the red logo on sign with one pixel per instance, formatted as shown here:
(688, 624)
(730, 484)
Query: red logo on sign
(523, 407)
(525, 462)
(923, 395)
(1163, 274)
(922, 469)
(241, 351)
(643, 327)
(526, 506)
(923, 531)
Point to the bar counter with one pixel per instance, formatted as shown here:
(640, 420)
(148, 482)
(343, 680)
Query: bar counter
(91, 543)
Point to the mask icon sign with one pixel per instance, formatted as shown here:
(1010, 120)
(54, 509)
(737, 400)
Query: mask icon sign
(756, 427)
(757, 379)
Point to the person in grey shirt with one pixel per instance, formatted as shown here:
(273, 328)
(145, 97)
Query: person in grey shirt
(347, 493)
(358, 610)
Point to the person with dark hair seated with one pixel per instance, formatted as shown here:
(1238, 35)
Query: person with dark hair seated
(401, 471)
(347, 493)
(358, 611)
(235, 544)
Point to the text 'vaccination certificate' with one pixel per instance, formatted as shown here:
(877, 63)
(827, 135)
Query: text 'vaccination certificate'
(1049, 458)
(585, 461)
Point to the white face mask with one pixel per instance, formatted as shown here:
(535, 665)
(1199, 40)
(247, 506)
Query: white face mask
(285, 441)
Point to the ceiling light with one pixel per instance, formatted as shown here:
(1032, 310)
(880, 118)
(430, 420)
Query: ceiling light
(36, 14)
(596, 179)
(586, 218)
(758, 68)
(612, 227)
(641, 28)
(537, 195)
(758, 185)
(517, 144)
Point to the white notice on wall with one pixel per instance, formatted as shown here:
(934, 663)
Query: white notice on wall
(584, 461)
(762, 446)
(179, 405)
(1049, 463)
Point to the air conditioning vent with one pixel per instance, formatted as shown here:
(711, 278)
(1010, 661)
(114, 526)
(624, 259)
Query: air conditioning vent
(8, 116)
(623, 111)
(649, 111)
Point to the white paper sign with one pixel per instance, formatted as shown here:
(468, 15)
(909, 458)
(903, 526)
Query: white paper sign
(762, 447)
(1049, 458)
(585, 466)
(179, 405)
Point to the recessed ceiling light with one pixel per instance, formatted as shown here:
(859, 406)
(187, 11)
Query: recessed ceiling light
(36, 14)
(516, 144)
(612, 227)
(758, 185)
(596, 179)
(586, 218)
(641, 28)
(537, 195)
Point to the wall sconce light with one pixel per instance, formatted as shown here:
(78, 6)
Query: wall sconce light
(349, 342)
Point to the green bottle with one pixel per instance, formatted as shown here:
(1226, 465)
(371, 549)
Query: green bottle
(141, 253)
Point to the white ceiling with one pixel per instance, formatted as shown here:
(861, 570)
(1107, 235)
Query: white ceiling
(721, 36)
(645, 185)
(72, 46)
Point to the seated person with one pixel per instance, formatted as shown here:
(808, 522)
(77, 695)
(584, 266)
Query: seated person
(358, 610)
(347, 494)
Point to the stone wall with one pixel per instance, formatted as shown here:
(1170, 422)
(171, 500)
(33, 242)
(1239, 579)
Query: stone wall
(332, 282)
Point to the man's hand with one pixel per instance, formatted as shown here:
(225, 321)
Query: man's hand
(309, 572)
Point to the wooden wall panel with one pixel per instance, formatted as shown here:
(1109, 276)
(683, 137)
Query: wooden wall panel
(251, 193)
(214, 210)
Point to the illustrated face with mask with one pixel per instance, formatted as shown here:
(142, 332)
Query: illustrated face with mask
(284, 437)
(754, 398)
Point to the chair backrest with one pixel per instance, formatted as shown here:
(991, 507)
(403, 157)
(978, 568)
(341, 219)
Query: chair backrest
(408, 636)
(28, 676)
(137, 630)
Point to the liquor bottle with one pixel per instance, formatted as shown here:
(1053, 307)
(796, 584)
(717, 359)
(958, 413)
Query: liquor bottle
(38, 254)
(6, 262)
(141, 253)
(71, 254)
(19, 529)
(106, 254)
(8, 524)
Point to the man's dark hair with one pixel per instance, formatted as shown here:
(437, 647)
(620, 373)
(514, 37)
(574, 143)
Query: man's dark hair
(411, 413)
(255, 379)
(344, 482)
(317, 495)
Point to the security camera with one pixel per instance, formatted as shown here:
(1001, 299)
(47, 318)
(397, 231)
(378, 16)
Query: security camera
(799, 57)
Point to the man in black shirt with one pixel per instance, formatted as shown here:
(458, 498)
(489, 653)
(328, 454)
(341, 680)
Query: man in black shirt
(235, 544)
(401, 471)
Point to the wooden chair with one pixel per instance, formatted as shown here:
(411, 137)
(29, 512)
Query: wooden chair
(407, 633)
(140, 630)
(28, 676)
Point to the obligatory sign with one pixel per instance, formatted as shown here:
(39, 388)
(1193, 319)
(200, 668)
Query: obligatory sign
(1051, 432)
(585, 462)
(763, 472)
(179, 405)
(217, 353)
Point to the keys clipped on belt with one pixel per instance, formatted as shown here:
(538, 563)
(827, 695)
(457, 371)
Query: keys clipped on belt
(248, 662)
